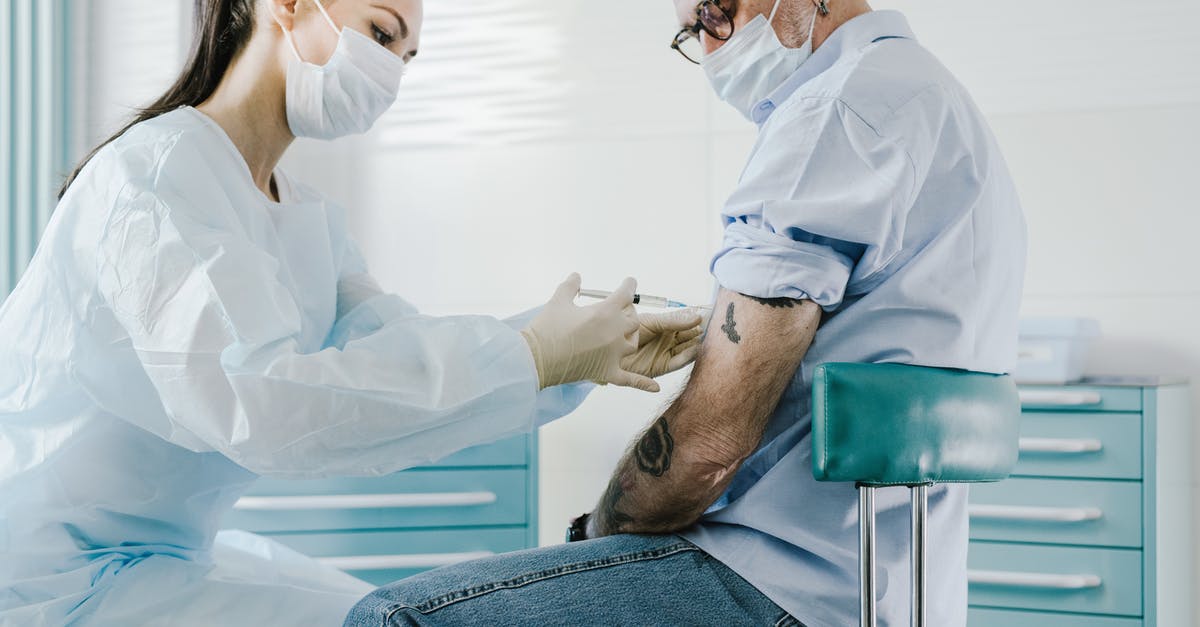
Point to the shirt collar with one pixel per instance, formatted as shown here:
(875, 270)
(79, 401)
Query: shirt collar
(847, 38)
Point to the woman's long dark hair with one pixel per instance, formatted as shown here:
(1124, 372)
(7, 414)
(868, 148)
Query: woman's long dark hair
(222, 29)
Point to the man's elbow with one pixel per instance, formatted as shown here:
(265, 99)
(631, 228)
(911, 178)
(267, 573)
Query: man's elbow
(700, 479)
(714, 460)
(697, 483)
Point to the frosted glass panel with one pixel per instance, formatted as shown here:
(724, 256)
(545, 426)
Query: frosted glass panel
(508, 71)
(486, 72)
(533, 139)
(503, 225)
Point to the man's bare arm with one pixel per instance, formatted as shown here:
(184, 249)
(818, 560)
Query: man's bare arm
(687, 457)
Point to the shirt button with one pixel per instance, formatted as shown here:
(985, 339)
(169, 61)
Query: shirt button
(766, 106)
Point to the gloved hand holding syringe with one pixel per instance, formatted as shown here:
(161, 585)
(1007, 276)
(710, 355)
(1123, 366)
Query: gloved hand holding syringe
(610, 342)
(666, 341)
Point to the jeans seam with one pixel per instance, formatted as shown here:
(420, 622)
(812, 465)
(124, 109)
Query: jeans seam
(445, 600)
(788, 620)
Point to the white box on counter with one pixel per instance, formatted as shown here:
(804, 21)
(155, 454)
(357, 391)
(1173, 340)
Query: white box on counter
(1054, 350)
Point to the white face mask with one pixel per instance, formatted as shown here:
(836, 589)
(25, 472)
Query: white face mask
(346, 95)
(753, 63)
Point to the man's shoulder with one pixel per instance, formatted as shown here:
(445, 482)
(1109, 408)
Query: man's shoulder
(883, 78)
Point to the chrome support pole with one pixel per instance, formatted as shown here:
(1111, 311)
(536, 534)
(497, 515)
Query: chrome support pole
(920, 503)
(866, 555)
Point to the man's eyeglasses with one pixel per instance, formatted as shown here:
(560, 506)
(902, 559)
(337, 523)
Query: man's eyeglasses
(713, 18)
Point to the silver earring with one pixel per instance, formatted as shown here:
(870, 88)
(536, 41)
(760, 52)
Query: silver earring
(823, 8)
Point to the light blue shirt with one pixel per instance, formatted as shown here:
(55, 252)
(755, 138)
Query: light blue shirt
(877, 190)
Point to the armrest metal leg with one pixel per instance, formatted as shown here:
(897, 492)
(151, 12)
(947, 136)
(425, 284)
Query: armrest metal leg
(866, 555)
(920, 502)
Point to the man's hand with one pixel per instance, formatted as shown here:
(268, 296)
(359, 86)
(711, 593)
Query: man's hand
(666, 343)
(684, 461)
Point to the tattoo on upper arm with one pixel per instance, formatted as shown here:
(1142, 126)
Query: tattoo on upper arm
(775, 303)
(730, 326)
(654, 451)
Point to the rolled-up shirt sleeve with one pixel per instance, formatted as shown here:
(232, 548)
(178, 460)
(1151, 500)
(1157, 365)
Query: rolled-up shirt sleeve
(820, 207)
(758, 262)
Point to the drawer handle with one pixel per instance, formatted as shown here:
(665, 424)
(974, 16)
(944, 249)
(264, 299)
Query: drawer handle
(1036, 514)
(1060, 446)
(1033, 580)
(1060, 398)
(392, 562)
(363, 501)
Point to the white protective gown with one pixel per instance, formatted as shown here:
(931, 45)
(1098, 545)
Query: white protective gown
(177, 335)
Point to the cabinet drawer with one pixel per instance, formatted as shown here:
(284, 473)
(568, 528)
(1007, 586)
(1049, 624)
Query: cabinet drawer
(1102, 446)
(442, 498)
(510, 452)
(1080, 398)
(379, 557)
(980, 617)
(1058, 511)
(1057, 579)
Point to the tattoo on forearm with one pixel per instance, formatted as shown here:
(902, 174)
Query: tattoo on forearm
(612, 518)
(775, 303)
(654, 451)
(730, 326)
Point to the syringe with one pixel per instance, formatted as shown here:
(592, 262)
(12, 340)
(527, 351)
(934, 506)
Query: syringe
(638, 299)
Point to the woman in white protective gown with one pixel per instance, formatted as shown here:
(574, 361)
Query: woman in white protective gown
(194, 319)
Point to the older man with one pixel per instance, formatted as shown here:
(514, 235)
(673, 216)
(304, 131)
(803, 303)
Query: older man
(875, 222)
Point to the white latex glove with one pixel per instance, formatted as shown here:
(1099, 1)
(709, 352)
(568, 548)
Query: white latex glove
(666, 342)
(572, 343)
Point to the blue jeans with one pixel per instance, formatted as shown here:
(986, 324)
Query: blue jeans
(619, 580)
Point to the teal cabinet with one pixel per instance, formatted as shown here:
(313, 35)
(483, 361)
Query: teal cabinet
(1094, 527)
(1082, 445)
(479, 502)
(982, 617)
(1058, 511)
(1057, 578)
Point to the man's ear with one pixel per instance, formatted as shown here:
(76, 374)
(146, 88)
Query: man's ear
(283, 12)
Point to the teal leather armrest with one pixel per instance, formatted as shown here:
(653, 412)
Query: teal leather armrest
(892, 424)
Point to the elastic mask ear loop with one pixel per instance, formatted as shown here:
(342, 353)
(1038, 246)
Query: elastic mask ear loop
(287, 34)
(329, 20)
(292, 42)
(771, 20)
(813, 27)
